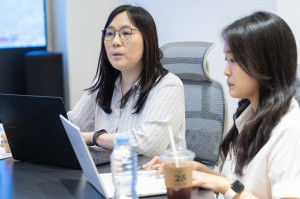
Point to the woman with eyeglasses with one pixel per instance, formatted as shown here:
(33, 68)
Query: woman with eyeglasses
(261, 151)
(132, 93)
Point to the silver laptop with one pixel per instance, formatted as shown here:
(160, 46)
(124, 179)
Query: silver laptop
(147, 185)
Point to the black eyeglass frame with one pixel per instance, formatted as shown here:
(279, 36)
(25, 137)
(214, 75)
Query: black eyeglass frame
(115, 33)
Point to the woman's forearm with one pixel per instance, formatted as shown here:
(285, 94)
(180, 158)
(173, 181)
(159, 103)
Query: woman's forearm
(105, 141)
(224, 185)
(202, 168)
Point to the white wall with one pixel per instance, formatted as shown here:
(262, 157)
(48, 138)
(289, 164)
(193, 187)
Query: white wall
(289, 10)
(57, 37)
(85, 20)
(74, 28)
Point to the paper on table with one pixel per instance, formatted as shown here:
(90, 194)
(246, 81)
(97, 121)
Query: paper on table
(4, 155)
(1, 131)
(147, 185)
(1, 128)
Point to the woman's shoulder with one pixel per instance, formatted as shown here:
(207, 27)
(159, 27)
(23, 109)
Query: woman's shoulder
(171, 79)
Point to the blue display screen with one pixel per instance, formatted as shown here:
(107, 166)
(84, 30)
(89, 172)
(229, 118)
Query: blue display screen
(22, 24)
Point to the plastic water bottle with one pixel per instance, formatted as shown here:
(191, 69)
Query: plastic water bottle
(124, 169)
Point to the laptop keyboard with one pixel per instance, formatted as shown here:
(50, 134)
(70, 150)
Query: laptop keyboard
(98, 161)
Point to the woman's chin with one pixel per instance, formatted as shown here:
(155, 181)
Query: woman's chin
(119, 67)
(233, 94)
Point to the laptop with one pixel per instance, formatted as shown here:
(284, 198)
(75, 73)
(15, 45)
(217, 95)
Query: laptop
(147, 185)
(36, 134)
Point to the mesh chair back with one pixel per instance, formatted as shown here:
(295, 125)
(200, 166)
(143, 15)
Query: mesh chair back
(297, 96)
(205, 100)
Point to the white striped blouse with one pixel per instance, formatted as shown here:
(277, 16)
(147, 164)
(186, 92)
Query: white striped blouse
(148, 130)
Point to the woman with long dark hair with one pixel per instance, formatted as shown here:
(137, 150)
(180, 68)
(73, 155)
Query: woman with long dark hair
(261, 151)
(132, 94)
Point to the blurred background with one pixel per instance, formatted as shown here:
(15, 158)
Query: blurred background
(67, 35)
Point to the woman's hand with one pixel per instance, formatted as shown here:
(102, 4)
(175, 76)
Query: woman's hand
(88, 138)
(5, 143)
(216, 183)
(155, 163)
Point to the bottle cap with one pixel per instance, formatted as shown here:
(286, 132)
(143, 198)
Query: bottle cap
(124, 139)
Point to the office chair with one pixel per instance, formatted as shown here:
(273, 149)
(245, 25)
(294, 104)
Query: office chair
(205, 99)
(297, 96)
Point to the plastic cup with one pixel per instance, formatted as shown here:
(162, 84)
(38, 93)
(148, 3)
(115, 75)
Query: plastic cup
(178, 169)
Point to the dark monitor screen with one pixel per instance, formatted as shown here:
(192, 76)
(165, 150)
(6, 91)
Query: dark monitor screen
(22, 24)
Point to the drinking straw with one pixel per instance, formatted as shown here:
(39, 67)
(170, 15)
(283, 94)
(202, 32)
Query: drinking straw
(173, 146)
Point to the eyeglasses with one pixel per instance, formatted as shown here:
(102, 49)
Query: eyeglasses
(125, 33)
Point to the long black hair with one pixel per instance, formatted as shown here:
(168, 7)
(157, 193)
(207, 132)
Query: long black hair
(152, 71)
(265, 48)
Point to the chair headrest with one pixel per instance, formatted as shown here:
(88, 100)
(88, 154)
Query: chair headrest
(188, 59)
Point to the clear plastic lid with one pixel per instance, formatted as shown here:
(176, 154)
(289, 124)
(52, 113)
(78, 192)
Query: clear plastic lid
(180, 155)
(124, 139)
